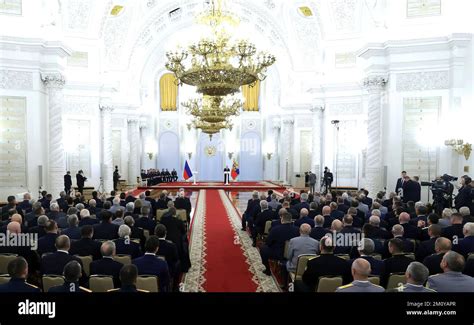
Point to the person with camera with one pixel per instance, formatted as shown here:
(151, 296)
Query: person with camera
(327, 180)
(80, 180)
(464, 197)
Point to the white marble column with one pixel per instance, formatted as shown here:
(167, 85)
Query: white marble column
(316, 154)
(374, 171)
(54, 83)
(276, 126)
(286, 156)
(107, 155)
(134, 157)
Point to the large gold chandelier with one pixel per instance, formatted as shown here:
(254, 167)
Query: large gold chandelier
(217, 67)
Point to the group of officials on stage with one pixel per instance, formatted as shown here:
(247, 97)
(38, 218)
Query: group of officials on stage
(154, 176)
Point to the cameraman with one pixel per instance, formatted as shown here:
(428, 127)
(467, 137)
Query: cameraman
(463, 199)
(328, 178)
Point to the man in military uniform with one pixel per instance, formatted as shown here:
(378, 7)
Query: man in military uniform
(72, 274)
(416, 275)
(18, 270)
(67, 182)
(360, 270)
(452, 279)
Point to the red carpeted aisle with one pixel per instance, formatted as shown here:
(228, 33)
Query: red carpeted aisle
(226, 267)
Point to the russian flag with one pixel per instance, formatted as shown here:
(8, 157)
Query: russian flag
(235, 170)
(187, 171)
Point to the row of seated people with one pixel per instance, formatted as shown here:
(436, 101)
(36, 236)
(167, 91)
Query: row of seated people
(160, 259)
(29, 209)
(72, 273)
(154, 176)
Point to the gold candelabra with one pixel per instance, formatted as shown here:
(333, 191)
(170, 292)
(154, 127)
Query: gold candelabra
(460, 147)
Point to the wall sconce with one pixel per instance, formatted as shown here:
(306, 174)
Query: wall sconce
(269, 155)
(150, 155)
(230, 154)
(190, 154)
(460, 147)
(189, 125)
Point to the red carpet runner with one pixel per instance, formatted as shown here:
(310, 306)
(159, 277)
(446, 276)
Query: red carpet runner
(226, 266)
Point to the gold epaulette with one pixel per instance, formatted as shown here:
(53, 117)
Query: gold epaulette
(113, 290)
(346, 286)
(32, 285)
(140, 290)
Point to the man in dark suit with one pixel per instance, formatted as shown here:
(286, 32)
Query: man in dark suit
(347, 225)
(116, 178)
(128, 278)
(304, 218)
(168, 250)
(107, 265)
(144, 221)
(54, 263)
(465, 246)
(18, 271)
(86, 245)
(47, 243)
(40, 228)
(136, 233)
(251, 211)
(377, 232)
(335, 213)
(26, 205)
(409, 230)
(72, 274)
(365, 251)
(326, 264)
(463, 198)
(303, 204)
(275, 243)
(432, 262)
(11, 205)
(398, 232)
(106, 229)
(427, 247)
(421, 215)
(80, 180)
(395, 264)
(455, 231)
(152, 264)
(327, 217)
(318, 231)
(260, 220)
(176, 232)
(342, 206)
(400, 183)
(67, 182)
(62, 203)
(183, 203)
(124, 245)
(73, 231)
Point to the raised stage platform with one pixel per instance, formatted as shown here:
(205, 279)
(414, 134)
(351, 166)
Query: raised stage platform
(190, 186)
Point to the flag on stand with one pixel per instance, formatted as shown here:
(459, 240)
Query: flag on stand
(235, 170)
(187, 174)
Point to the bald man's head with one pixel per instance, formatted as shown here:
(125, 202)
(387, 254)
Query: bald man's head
(442, 245)
(17, 217)
(14, 227)
(404, 217)
(305, 229)
(326, 210)
(361, 269)
(304, 212)
(336, 225)
(397, 231)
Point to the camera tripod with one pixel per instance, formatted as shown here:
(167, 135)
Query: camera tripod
(101, 188)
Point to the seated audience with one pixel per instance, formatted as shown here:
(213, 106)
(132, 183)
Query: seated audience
(432, 262)
(395, 264)
(452, 279)
(18, 271)
(303, 244)
(107, 265)
(72, 274)
(124, 245)
(416, 276)
(86, 245)
(360, 271)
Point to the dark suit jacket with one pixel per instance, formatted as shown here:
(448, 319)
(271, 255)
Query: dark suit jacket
(262, 218)
(54, 263)
(453, 230)
(175, 229)
(375, 264)
(328, 221)
(300, 206)
(337, 214)
(131, 248)
(278, 236)
(105, 230)
(306, 219)
(88, 221)
(86, 246)
(72, 233)
(318, 232)
(107, 266)
(153, 265)
(465, 246)
(410, 231)
(169, 250)
(432, 262)
(146, 223)
(47, 244)
(425, 248)
(323, 265)
(394, 264)
(18, 285)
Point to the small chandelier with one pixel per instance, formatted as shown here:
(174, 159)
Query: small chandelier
(460, 147)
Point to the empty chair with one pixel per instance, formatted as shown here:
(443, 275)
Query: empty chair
(148, 283)
(285, 251)
(268, 225)
(159, 213)
(329, 284)
(374, 280)
(52, 280)
(123, 258)
(86, 263)
(301, 266)
(101, 283)
(395, 280)
(4, 260)
(181, 215)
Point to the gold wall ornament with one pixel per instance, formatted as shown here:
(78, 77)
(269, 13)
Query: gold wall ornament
(116, 10)
(150, 155)
(460, 147)
(306, 11)
(210, 151)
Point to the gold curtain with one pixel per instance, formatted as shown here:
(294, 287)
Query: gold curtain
(168, 92)
(251, 97)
